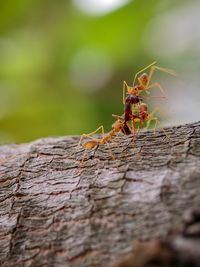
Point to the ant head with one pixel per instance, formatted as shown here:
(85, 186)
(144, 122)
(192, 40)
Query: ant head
(144, 78)
(120, 125)
(133, 90)
(143, 107)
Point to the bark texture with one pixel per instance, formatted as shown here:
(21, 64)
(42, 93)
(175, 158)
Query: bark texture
(57, 211)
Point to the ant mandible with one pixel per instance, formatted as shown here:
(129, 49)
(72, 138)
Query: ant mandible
(144, 81)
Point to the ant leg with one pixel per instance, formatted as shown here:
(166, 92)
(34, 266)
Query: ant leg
(116, 137)
(140, 149)
(83, 157)
(118, 117)
(133, 126)
(153, 68)
(110, 152)
(125, 88)
(100, 127)
(150, 120)
(156, 123)
(167, 136)
(142, 71)
(158, 86)
(89, 135)
(154, 97)
(151, 115)
(107, 143)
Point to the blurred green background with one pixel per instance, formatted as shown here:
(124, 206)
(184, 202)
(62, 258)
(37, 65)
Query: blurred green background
(62, 63)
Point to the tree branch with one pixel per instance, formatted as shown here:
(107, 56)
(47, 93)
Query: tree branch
(56, 210)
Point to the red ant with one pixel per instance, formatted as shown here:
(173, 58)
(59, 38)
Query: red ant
(144, 81)
(131, 100)
(140, 117)
(119, 126)
(144, 117)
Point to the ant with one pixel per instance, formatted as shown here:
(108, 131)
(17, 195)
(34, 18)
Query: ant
(118, 126)
(144, 81)
(131, 100)
(140, 117)
(144, 117)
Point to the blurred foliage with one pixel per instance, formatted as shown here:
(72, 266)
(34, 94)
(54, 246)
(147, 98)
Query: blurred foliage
(61, 69)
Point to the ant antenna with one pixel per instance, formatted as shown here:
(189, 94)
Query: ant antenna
(143, 70)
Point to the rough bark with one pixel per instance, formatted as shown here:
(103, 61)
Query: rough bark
(57, 211)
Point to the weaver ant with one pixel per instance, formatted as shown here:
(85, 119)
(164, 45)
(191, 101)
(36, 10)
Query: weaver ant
(118, 126)
(140, 116)
(144, 81)
(131, 100)
(131, 117)
(144, 117)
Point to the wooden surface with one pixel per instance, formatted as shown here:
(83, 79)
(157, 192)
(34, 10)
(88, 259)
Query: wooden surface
(57, 211)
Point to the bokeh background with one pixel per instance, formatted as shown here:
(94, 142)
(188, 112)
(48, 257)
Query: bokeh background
(62, 63)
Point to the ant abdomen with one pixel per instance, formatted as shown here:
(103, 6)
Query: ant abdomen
(133, 99)
(91, 144)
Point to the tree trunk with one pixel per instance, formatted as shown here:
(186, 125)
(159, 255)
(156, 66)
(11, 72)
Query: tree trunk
(63, 206)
